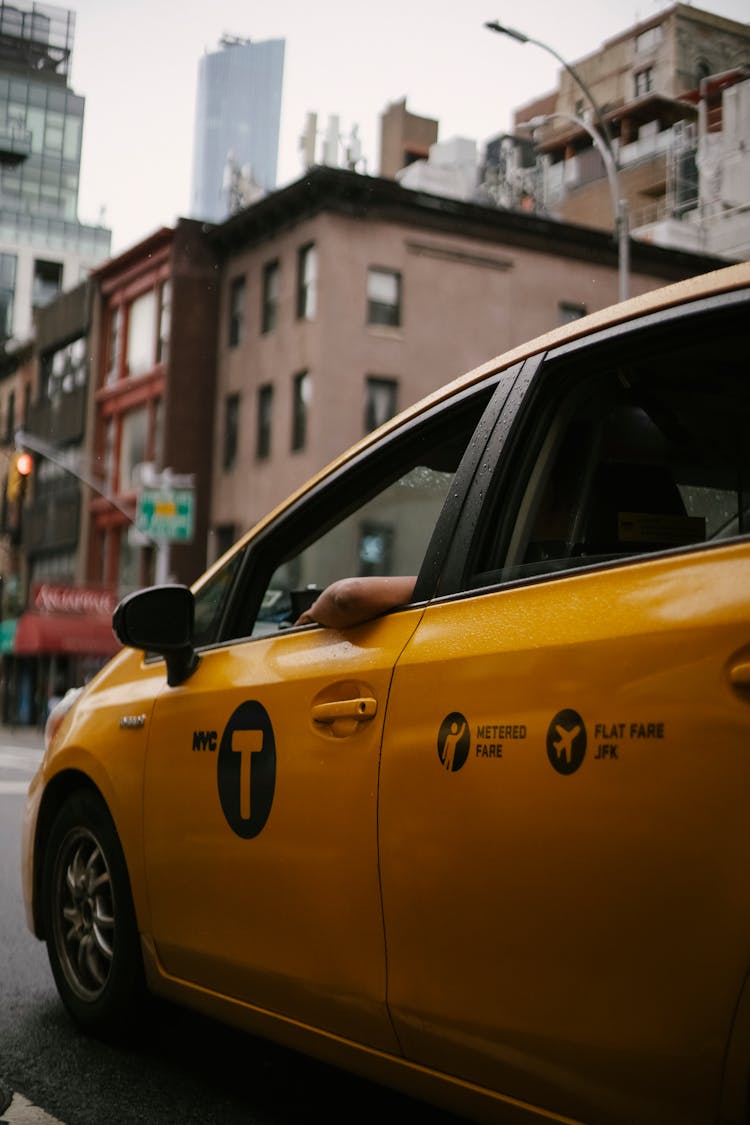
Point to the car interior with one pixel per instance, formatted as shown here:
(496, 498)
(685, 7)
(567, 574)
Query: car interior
(640, 458)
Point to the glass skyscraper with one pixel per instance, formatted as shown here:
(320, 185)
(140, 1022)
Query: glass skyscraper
(237, 119)
(43, 247)
(38, 108)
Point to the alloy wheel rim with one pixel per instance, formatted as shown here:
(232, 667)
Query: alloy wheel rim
(84, 916)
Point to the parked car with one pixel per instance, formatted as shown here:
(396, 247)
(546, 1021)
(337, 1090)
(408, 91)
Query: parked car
(491, 847)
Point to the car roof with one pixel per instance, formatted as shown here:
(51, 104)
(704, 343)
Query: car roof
(725, 280)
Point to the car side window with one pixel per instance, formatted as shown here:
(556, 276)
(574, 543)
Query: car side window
(376, 520)
(645, 454)
(388, 535)
(211, 601)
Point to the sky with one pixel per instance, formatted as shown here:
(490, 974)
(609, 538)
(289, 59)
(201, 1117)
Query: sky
(136, 64)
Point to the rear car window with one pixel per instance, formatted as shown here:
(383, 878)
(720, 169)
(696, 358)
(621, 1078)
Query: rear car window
(643, 454)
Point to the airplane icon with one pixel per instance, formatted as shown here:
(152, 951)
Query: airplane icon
(566, 738)
(566, 741)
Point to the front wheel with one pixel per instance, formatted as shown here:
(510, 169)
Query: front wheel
(91, 932)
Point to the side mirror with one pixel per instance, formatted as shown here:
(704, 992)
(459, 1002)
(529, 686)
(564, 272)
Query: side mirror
(160, 619)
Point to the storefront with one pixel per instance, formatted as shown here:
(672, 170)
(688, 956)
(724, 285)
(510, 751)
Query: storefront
(60, 641)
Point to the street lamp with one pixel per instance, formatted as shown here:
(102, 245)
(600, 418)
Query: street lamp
(602, 138)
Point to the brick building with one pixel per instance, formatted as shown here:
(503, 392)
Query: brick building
(249, 354)
(152, 347)
(344, 298)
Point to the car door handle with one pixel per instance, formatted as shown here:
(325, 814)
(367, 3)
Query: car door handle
(739, 673)
(363, 707)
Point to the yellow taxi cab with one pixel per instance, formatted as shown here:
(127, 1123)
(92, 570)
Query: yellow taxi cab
(490, 847)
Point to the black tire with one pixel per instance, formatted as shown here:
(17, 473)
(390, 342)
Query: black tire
(90, 927)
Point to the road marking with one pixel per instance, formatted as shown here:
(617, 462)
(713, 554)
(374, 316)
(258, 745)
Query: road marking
(20, 759)
(22, 1112)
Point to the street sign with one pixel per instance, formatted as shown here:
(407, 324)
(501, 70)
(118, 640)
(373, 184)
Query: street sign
(165, 513)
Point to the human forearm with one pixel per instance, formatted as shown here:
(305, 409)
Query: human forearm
(350, 601)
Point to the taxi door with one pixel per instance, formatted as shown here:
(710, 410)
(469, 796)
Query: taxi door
(564, 840)
(260, 825)
(563, 820)
(262, 775)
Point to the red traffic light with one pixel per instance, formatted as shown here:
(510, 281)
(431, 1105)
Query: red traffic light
(24, 464)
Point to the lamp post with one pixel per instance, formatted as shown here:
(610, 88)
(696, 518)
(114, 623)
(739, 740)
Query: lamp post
(619, 206)
(602, 139)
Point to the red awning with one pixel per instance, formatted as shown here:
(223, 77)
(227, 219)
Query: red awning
(50, 633)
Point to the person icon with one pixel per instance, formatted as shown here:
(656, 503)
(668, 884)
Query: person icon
(453, 737)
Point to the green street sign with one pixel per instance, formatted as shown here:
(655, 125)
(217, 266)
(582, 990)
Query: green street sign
(163, 513)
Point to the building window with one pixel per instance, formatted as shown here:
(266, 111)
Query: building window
(47, 282)
(236, 311)
(300, 409)
(115, 345)
(307, 282)
(156, 451)
(569, 310)
(702, 70)
(231, 430)
(269, 312)
(649, 39)
(133, 444)
(107, 461)
(380, 401)
(265, 407)
(165, 321)
(64, 369)
(644, 81)
(142, 334)
(7, 293)
(383, 297)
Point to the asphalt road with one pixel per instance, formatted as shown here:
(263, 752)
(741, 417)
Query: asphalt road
(183, 1070)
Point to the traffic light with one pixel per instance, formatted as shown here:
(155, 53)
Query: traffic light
(21, 465)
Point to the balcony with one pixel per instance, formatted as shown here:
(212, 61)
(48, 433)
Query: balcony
(38, 37)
